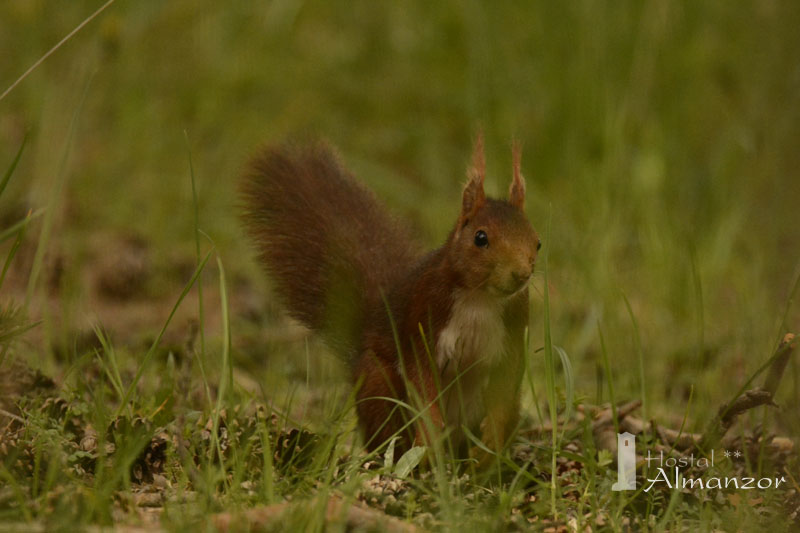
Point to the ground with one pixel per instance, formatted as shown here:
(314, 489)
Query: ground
(660, 153)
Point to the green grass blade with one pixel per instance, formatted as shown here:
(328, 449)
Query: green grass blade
(10, 171)
(157, 341)
(569, 384)
(23, 226)
(19, 226)
(58, 45)
(640, 356)
(47, 224)
(268, 470)
(226, 377)
(196, 219)
(685, 418)
(23, 500)
(201, 356)
(783, 326)
(409, 461)
(529, 374)
(227, 365)
(697, 285)
(609, 377)
(550, 374)
(111, 368)
(11, 253)
(16, 331)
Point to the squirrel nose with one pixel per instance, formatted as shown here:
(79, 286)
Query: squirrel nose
(521, 275)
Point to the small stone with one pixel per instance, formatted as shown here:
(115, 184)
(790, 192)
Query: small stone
(147, 499)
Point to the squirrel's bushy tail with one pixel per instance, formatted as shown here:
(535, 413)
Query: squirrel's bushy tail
(327, 243)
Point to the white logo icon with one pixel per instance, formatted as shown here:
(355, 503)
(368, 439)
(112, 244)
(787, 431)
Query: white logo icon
(626, 462)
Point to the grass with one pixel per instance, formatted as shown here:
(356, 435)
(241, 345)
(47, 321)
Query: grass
(660, 150)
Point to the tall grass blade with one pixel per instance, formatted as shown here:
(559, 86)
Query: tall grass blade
(13, 166)
(227, 365)
(19, 493)
(783, 327)
(196, 213)
(569, 383)
(609, 377)
(226, 377)
(58, 45)
(19, 226)
(268, 470)
(111, 368)
(157, 341)
(550, 374)
(6, 336)
(529, 373)
(201, 356)
(685, 418)
(640, 356)
(697, 284)
(47, 224)
(11, 253)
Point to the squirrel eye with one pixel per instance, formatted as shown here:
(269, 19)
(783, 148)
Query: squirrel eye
(538, 246)
(481, 239)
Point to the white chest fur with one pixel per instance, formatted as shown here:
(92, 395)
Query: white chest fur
(474, 333)
(473, 341)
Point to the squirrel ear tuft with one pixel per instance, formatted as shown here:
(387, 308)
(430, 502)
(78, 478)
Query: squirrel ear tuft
(478, 158)
(473, 197)
(516, 192)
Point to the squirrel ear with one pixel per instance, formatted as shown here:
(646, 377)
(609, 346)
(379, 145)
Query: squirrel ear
(473, 197)
(516, 192)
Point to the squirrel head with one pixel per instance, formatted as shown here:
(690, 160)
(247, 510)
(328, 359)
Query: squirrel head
(493, 246)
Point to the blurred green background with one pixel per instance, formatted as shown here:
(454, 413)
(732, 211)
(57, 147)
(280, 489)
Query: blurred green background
(661, 149)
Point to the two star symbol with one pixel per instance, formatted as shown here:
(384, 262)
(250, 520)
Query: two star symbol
(736, 453)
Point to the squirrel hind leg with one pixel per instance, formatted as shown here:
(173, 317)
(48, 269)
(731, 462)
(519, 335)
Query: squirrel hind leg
(381, 419)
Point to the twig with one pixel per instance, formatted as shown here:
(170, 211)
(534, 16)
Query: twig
(672, 437)
(784, 351)
(12, 416)
(606, 416)
(603, 425)
(749, 399)
(728, 413)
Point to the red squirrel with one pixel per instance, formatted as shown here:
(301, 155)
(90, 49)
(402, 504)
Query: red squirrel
(440, 333)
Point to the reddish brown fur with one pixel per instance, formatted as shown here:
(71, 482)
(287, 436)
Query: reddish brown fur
(516, 191)
(318, 230)
(322, 237)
